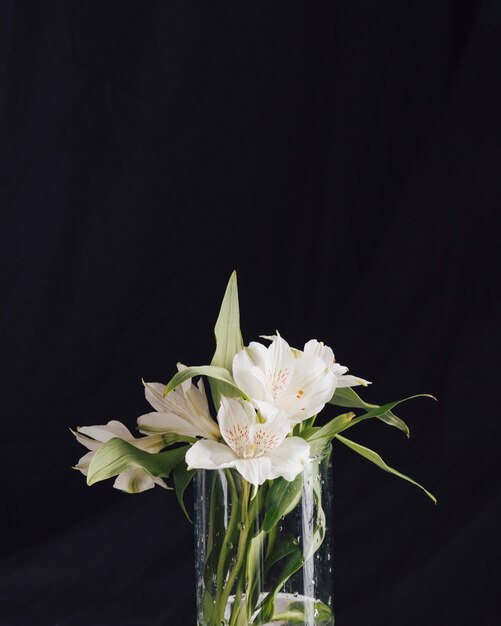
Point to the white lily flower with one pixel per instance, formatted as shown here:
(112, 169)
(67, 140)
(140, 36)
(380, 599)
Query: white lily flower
(131, 481)
(259, 451)
(295, 382)
(318, 348)
(184, 411)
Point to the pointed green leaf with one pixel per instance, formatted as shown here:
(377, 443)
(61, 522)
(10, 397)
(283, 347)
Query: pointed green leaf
(285, 546)
(385, 409)
(117, 456)
(346, 397)
(182, 478)
(332, 428)
(377, 460)
(218, 373)
(254, 570)
(267, 606)
(282, 497)
(228, 340)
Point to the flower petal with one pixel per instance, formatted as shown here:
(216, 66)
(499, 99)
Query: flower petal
(280, 366)
(134, 481)
(150, 443)
(154, 393)
(312, 385)
(84, 462)
(289, 458)
(208, 454)
(270, 434)
(319, 349)
(243, 369)
(90, 444)
(106, 432)
(351, 381)
(236, 419)
(174, 402)
(255, 471)
(168, 423)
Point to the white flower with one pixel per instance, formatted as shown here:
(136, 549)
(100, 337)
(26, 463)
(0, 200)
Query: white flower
(184, 411)
(131, 481)
(259, 451)
(293, 381)
(318, 348)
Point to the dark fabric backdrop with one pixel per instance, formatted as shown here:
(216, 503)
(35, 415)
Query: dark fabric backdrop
(344, 156)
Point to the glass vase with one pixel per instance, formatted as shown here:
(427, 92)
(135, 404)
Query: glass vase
(264, 556)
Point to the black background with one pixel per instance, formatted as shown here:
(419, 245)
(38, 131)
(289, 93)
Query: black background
(344, 157)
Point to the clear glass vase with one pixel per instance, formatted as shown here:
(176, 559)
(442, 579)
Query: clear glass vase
(264, 557)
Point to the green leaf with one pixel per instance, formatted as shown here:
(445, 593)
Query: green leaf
(255, 572)
(282, 547)
(282, 497)
(332, 428)
(377, 460)
(295, 613)
(218, 373)
(182, 478)
(228, 340)
(383, 410)
(346, 397)
(117, 456)
(267, 606)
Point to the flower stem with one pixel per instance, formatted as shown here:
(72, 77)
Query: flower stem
(222, 601)
(229, 533)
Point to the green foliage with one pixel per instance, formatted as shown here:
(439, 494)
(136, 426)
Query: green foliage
(182, 478)
(346, 397)
(286, 545)
(295, 614)
(117, 456)
(332, 428)
(267, 606)
(377, 460)
(228, 340)
(218, 373)
(282, 497)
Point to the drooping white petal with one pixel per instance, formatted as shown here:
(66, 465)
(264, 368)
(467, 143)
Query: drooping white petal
(288, 459)
(137, 480)
(347, 380)
(92, 437)
(255, 471)
(150, 443)
(207, 454)
(236, 418)
(90, 444)
(84, 462)
(106, 432)
(169, 423)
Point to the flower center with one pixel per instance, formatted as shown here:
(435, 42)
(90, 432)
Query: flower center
(250, 445)
(250, 451)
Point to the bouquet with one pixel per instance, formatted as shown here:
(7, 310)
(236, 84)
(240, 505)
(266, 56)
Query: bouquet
(262, 468)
